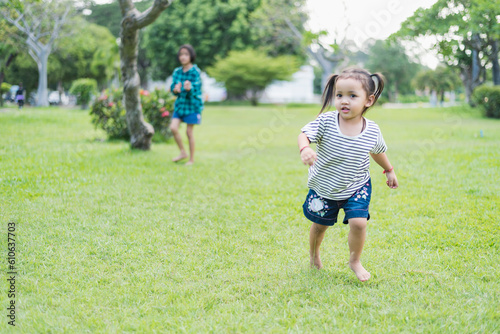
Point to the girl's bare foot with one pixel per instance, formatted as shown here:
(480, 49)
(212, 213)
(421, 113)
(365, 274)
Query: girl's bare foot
(189, 163)
(316, 262)
(182, 156)
(360, 272)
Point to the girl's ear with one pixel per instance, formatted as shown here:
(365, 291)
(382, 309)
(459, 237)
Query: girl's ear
(370, 100)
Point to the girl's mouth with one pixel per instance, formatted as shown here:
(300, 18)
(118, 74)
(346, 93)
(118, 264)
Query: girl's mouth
(344, 110)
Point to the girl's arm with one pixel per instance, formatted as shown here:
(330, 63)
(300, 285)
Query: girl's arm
(307, 154)
(194, 86)
(383, 161)
(175, 80)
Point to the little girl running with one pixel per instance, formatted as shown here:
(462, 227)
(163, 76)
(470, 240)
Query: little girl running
(186, 85)
(339, 175)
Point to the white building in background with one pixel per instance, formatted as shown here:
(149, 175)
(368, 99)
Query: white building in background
(299, 90)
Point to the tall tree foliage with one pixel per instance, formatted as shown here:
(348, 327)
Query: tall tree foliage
(467, 34)
(83, 55)
(213, 27)
(40, 23)
(108, 15)
(391, 60)
(440, 80)
(9, 49)
(270, 27)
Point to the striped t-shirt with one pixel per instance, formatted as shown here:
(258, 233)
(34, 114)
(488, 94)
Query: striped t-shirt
(343, 161)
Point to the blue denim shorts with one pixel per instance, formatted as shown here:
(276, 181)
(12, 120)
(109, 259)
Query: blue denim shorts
(193, 118)
(324, 211)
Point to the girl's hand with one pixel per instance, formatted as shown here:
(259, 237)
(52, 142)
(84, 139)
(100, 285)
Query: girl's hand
(392, 180)
(187, 85)
(308, 156)
(177, 88)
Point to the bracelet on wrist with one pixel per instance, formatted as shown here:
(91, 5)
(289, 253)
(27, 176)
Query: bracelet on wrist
(388, 171)
(303, 148)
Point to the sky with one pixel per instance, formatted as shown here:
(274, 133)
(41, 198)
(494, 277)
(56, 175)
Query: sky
(364, 19)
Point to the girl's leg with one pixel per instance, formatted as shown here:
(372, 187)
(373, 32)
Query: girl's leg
(174, 127)
(316, 235)
(357, 235)
(190, 136)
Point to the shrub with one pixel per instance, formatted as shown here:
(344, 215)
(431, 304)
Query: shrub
(83, 89)
(109, 114)
(4, 88)
(252, 71)
(488, 97)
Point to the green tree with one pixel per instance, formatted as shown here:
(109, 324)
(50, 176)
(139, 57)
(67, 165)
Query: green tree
(442, 79)
(41, 24)
(109, 16)
(84, 55)
(23, 69)
(250, 72)
(391, 60)
(213, 27)
(9, 49)
(270, 27)
(466, 32)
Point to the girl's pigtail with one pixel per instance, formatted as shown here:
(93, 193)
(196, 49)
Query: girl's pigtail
(379, 84)
(328, 92)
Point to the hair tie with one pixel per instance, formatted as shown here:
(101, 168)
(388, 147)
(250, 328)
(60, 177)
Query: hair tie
(376, 82)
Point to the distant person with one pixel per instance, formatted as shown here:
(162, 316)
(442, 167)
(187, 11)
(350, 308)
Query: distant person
(20, 96)
(339, 175)
(186, 85)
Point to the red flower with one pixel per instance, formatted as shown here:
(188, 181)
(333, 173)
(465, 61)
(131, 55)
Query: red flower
(165, 114)
(110, 104)
(103, 97)
(144, 92)
(162, 109)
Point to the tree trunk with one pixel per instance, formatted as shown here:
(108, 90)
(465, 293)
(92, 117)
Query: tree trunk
(494, 61)
(61, 91)
(471, 76)
(140, 131)
(42, 62)
(254, 98)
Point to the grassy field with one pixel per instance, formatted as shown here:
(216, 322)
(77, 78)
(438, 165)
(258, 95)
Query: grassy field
(111, 240)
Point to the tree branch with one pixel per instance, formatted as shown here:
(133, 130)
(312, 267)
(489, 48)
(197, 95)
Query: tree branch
(58, 25)
(152, 13)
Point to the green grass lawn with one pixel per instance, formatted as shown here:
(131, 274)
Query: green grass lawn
(111, 240)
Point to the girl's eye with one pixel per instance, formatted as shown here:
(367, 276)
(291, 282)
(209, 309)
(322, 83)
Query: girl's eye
(339, 95)
(352, 95)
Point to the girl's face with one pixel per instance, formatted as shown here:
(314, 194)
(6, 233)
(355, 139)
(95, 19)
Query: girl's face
(184, 57)
(351, 99)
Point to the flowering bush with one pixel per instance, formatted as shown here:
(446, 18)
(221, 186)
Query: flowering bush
(109, 114)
